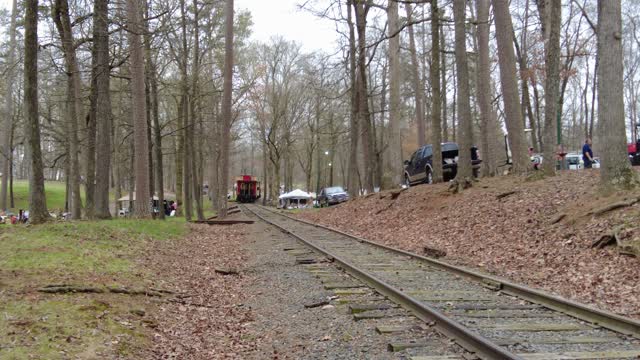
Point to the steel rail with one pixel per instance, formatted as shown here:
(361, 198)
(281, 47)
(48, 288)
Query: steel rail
(580, 311)
(471, 341)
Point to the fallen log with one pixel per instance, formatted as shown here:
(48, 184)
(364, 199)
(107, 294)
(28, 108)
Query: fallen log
(505, 194)
(221, 222)
(225, 271)
(614, 206)
(74, 289)
(65, 289)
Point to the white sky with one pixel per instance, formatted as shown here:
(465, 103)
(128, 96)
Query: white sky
(280, 17)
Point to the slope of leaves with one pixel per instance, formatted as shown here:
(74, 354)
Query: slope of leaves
(511, 236)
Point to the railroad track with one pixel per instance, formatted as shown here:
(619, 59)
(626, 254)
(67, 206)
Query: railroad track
(489, 317)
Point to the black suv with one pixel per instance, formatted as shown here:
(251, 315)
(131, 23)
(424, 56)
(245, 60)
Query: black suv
(332, 195)
(420, 167)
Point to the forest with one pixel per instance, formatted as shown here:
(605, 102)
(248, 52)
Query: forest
(161, 98)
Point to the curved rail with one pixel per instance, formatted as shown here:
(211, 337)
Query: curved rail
(468, 339)
(599, 317)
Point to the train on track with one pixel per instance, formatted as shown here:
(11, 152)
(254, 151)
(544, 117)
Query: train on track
(247, 188)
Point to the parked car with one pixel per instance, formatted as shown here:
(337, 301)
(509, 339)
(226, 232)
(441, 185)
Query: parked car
(574, 161)
(420, 167)
(332, 195)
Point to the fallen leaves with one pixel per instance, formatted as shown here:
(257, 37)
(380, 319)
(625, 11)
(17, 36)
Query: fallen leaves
(211, 323)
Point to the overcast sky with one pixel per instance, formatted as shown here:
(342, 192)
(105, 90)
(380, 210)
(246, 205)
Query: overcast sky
(281, 17)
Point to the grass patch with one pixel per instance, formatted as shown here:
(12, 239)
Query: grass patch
(94, 253)
(80, 247)
(54, 190)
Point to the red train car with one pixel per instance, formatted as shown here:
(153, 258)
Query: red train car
(247, 189)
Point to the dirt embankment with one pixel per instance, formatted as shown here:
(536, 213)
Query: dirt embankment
(512, 228)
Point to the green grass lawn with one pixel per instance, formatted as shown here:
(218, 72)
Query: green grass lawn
(55, 191)
(87, 253)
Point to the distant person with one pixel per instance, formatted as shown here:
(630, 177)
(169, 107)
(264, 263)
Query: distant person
(587, 154)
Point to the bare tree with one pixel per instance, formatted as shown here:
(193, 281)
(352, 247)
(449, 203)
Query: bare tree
(7, 124)
(483, 89)
(552, 82)
(616, 170)
(353, 183)
(465, 171)
(74, 104)
(101, 83)
(509, 82)
(415, 73)
(226, 107)
(361, 10)
(436, 98)
(139, 110)
(394, 139)
(37, 199)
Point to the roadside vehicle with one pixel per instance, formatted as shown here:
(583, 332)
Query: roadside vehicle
(420, 167)
(574, 161)
(332, 195)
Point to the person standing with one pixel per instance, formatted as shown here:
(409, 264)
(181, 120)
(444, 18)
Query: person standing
(587, 154)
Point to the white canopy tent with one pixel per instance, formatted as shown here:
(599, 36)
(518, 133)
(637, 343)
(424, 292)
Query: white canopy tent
(295, 195)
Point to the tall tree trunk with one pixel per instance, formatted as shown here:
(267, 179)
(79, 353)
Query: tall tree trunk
(443, 69)
(509, 82)
(155, 116)
(616, 169)
(7, 124)
(527, 111)
(186, 160)
(184, 113)
(436, 97)
(551, 91)
(464, 108)
(361, 11)
(394, 139)
(226, 106)
(195, 110)
(179, 158)
(103, 116)
(139, 111)
(352, 178)
(75, 108)
(415, 73)
(37, 199)
(483, 89)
